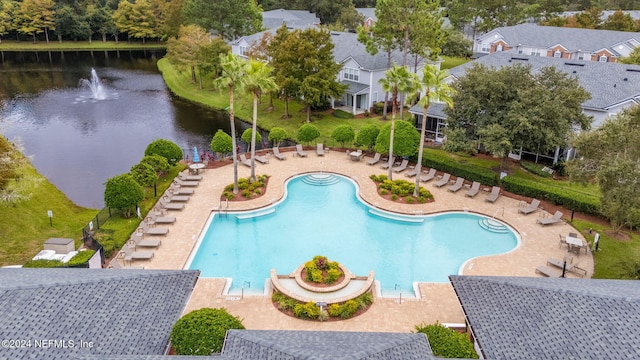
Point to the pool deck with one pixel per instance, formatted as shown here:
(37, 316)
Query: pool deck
(438, 302)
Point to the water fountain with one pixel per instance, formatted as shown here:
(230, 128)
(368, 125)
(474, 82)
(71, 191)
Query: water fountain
(95, 85)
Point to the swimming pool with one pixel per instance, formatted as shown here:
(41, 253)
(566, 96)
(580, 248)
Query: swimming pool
(322, 215)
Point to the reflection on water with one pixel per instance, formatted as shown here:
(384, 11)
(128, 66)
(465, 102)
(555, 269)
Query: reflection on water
(79, 144)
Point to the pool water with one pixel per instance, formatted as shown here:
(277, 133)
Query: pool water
(327, 218)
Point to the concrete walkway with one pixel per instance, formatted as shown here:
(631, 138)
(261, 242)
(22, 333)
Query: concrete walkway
(438, 301)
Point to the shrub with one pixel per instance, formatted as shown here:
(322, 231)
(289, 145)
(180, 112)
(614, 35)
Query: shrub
(277, 135)
(122, 192)
(333, 275)
(409, 200)
(535, 168)
(246, 193)
(348, 309)
(341, 114)
(384, 192)
(374, 177)
(143, 174)
(394, 197)
(307, 133)
(221, 143)
(383, 177)
(443, 162)
(246, 137)
(165, 148)
(448, 343)
(157, 162)
(81, 258)
(343, 134)
(228, 195)
(367, 136)
(43, 263)
(202, 332)
(309, 310)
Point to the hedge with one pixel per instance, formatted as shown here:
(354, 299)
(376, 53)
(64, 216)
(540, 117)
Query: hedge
(447, 342)
(566, 197)
(469, 172)
(202, 332)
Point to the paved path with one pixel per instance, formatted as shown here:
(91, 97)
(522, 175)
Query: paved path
(438, 302)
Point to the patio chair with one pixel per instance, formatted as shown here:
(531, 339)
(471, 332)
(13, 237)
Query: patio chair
(176, 189)
(156, 219)
(457, 186)
(180, 182)
(374, 160)
(146, 229)
(411, 173)
(563, 241)
(136, 240)
(261, 159)
(185, 177)
(444, 180)
(385, 165)
(547, 271)
(244, 160)
(320, 149)
(495, 194)
(475, 189)
(171, 206)
(277, 154)
(300, 151)
(130, 254)
(535, 203)
(402, 167)
(556, 218)
(428, 176)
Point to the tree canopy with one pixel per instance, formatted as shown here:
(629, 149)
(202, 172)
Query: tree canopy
(277, 135)
(610, 154)
(228, 19)
(165, 148)
(307, 133)
(367, 136)
(405, 139)
(509, 108)
(343, 134)
(122, 192)
(221, 142)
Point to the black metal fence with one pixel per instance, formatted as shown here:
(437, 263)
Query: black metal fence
(97, 221)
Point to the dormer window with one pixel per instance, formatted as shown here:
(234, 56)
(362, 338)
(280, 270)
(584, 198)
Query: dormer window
(557, 54)
(499, 47)
(602, 58)
(351, 74)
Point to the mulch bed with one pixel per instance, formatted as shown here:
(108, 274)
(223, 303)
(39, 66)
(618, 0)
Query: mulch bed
(303, 275)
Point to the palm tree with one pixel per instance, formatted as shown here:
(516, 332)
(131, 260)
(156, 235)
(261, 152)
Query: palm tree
(435, 90)
(258, 79)
(397, 80)
(233, 74)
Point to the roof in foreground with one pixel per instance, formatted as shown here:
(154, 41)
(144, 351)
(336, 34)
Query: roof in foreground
(87, 312)
(608, 83)
(282, 344)
(542, 318)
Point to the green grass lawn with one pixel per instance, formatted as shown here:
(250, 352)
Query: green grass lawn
(12, 45)
(451, 62)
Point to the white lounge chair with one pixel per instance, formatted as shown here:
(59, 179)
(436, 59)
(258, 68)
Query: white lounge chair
(277, 154)
(136, 240)
(475, 188)
(300, 151)
(261, 159)
(176, 189)
(171, 206)
(158, 219)
(547, 271)
(130, 254)
(568, 266)
(374, 160)
(556, 218)
(385, 165)
(168, 197)
(402, 167)
(244, 160)
(495, 194)
(185, 177)
(320, 149)
(457, 186)
(411, 173)
(146, 229)
(535, 203)
(115, 264)
(428, 176)
(444, 180)
(186, 183)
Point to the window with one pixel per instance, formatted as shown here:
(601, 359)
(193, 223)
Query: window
(351, 74)
(485, 48)
(557, 54)
(243, 50)
(535, 52)
(499, 47)
(580, 56)
(375, 97)
(602, 58)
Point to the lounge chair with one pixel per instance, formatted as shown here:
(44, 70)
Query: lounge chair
(186, 177)
(244, 160)
(457, 186)
(261, 159)
(171, 206)
(276, 153)
(320, 149)
(547, 271)
(374, 160)
(475, 189)
(115, 264)
(146, 229)
(385, 165)
(175, 198)
(556, 218)
(530, 208)
(568, 267)
(183, 183)
(428, 176)
(411, 173)
(130, 254)
(495, 194)
(156, 219)
(444, 180)
(300, 151)
(136, 240)
(402, 167)
(178, 190)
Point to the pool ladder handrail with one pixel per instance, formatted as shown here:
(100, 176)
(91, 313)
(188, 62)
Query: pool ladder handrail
(497, 211)
(226, 208)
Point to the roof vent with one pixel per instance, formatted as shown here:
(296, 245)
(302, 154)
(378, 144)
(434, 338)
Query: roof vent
(519, 58)
(574, 71)
(634, 70)
(573, 64)
(625, 79)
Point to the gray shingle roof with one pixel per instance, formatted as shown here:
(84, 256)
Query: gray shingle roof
(346, 45)
(573, 39)
(541, 318)
(354, 87)
(293, 18)
(120, 311)
(282, 344)
(435, 110)
(604, 81)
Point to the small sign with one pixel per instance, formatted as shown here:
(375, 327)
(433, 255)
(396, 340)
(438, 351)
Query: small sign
(49, 213)
(90, 225)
